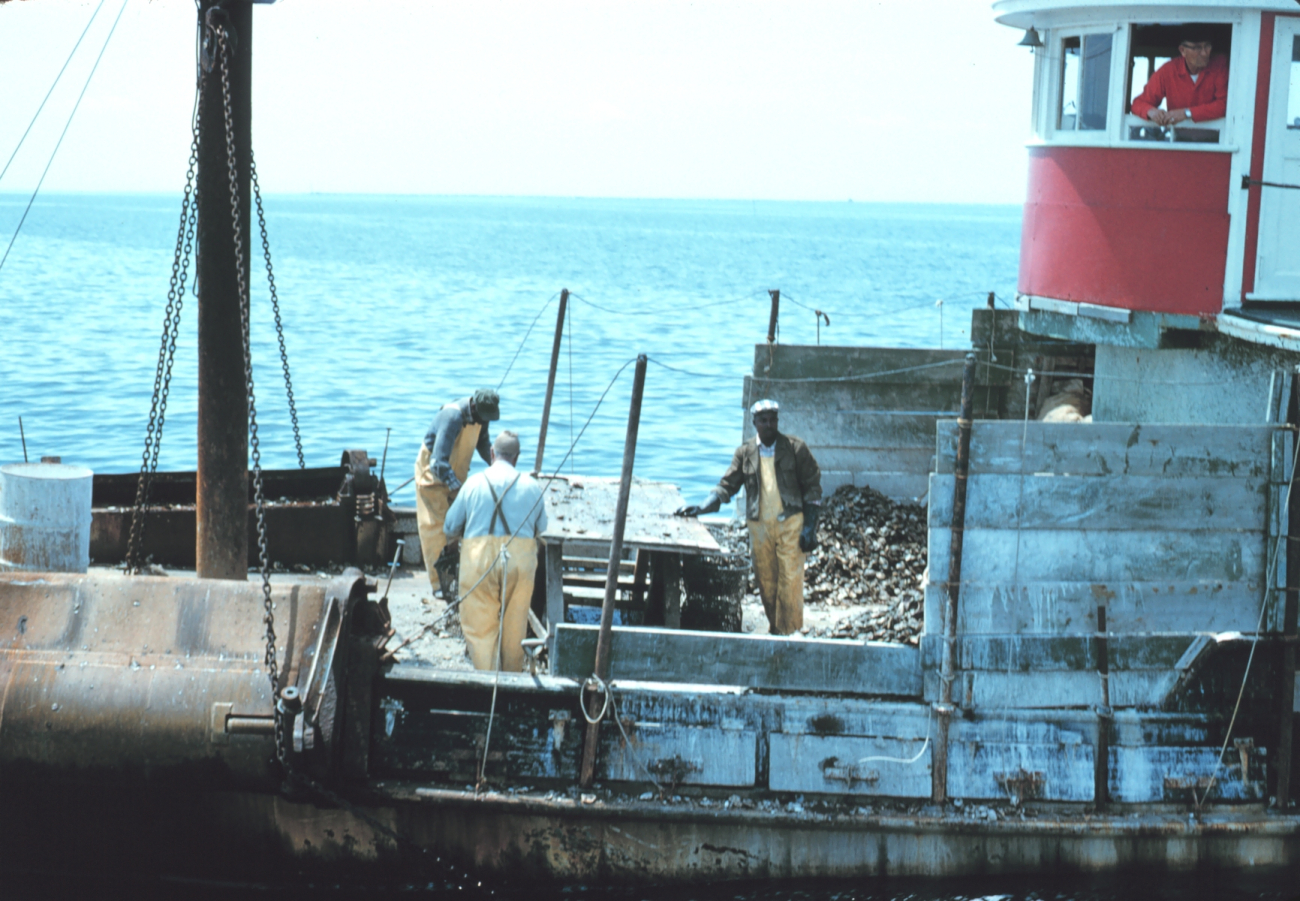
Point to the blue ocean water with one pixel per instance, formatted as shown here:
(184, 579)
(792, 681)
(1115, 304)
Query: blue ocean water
(394, 305)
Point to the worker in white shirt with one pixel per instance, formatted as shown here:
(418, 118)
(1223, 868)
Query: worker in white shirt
(498, 515)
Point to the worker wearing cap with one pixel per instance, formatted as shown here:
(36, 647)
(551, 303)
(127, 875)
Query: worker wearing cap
(499, 513)
(443, 463)
(783, 494)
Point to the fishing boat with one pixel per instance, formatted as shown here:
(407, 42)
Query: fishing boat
(1106, 675)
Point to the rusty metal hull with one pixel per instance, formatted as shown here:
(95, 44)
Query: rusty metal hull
(252, 835)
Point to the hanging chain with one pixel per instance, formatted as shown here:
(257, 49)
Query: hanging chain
(275, 306)
(167, 351)
(272, 667)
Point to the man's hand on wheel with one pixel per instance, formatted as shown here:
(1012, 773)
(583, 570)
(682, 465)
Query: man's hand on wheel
(691, 510)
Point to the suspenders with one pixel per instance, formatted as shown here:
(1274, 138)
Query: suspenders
(496, 510)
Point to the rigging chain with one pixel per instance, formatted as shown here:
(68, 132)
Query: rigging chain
(167, 351)
(259, 501)
(275, 306)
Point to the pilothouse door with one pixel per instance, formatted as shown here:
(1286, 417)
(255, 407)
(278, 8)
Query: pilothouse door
(1277, 269)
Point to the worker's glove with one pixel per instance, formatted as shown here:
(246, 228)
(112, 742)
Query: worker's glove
(712, 505)
(808, 535)
(453, 483)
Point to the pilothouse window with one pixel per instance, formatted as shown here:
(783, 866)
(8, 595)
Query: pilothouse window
(1157, 78)
(1085, 82)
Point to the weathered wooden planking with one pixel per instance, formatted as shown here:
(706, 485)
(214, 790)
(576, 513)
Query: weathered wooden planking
(1122, 502)
(849, 765)
(1103, 449)
(877, 394)
(790, 361)
(1148, 773)
(447, 745)
(680, 755)
(755, 661)
(554, 573)
(582, 507)
(1000, 690)
(1043, 555)
(982, 770)
(1049, 653)
(859, 458)
(1008, 727)
(904, 488)
(1146, 728)
(802, 715)
(1071, 607)
(1040, 653)
(862, 428)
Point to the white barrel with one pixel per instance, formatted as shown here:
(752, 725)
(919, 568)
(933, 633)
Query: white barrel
(45, 517)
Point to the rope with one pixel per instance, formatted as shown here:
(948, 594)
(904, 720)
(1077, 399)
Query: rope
(525, 338)
(37, 115)
(63, 134)
(681, 308)
(594, 683)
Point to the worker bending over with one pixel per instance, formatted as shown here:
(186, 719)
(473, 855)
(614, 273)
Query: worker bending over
(443, 463)
(783, 495)
(499, 512)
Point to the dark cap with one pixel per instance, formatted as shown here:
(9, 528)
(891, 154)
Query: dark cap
(487, 404)
(1195, 34)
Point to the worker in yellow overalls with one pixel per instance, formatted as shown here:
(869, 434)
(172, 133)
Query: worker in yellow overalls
(783, 494)
(442, 465)
(497, 516)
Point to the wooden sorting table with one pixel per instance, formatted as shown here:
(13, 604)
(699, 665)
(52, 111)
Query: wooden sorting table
(580, 513)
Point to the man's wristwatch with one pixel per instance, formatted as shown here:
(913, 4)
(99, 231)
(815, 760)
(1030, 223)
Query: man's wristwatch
(1188, 114)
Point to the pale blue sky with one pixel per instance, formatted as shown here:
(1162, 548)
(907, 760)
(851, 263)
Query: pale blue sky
(905, 100)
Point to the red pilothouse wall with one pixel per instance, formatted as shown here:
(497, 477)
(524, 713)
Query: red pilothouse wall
(1140, 229)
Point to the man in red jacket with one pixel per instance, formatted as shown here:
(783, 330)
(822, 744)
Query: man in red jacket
(1194, 86)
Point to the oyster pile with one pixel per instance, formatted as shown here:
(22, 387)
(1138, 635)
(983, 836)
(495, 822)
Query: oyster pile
(873, 554)
(871, 562)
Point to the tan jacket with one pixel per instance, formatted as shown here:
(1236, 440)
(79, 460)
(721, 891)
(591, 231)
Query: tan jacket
(798, 477)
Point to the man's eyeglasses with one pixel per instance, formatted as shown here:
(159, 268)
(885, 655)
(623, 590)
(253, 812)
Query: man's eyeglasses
(1201, 47)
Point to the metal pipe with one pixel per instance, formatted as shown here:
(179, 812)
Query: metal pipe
(23, 436)
(771, 319)
(221, 539)
(1101, 753)
(550, 378)
(944, 709)
(611, 575)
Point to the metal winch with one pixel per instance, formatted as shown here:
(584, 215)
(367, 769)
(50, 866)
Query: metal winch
(138, 678)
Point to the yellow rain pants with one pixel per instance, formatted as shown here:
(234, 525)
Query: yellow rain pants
(480, 612)
(433, 497)
(778, 562)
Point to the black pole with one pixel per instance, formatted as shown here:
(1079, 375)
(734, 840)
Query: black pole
(221, 539)
(1101, 753)
(771, 319)
(948, 671)
(550, 378)
(23, 436)
(611, 574)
